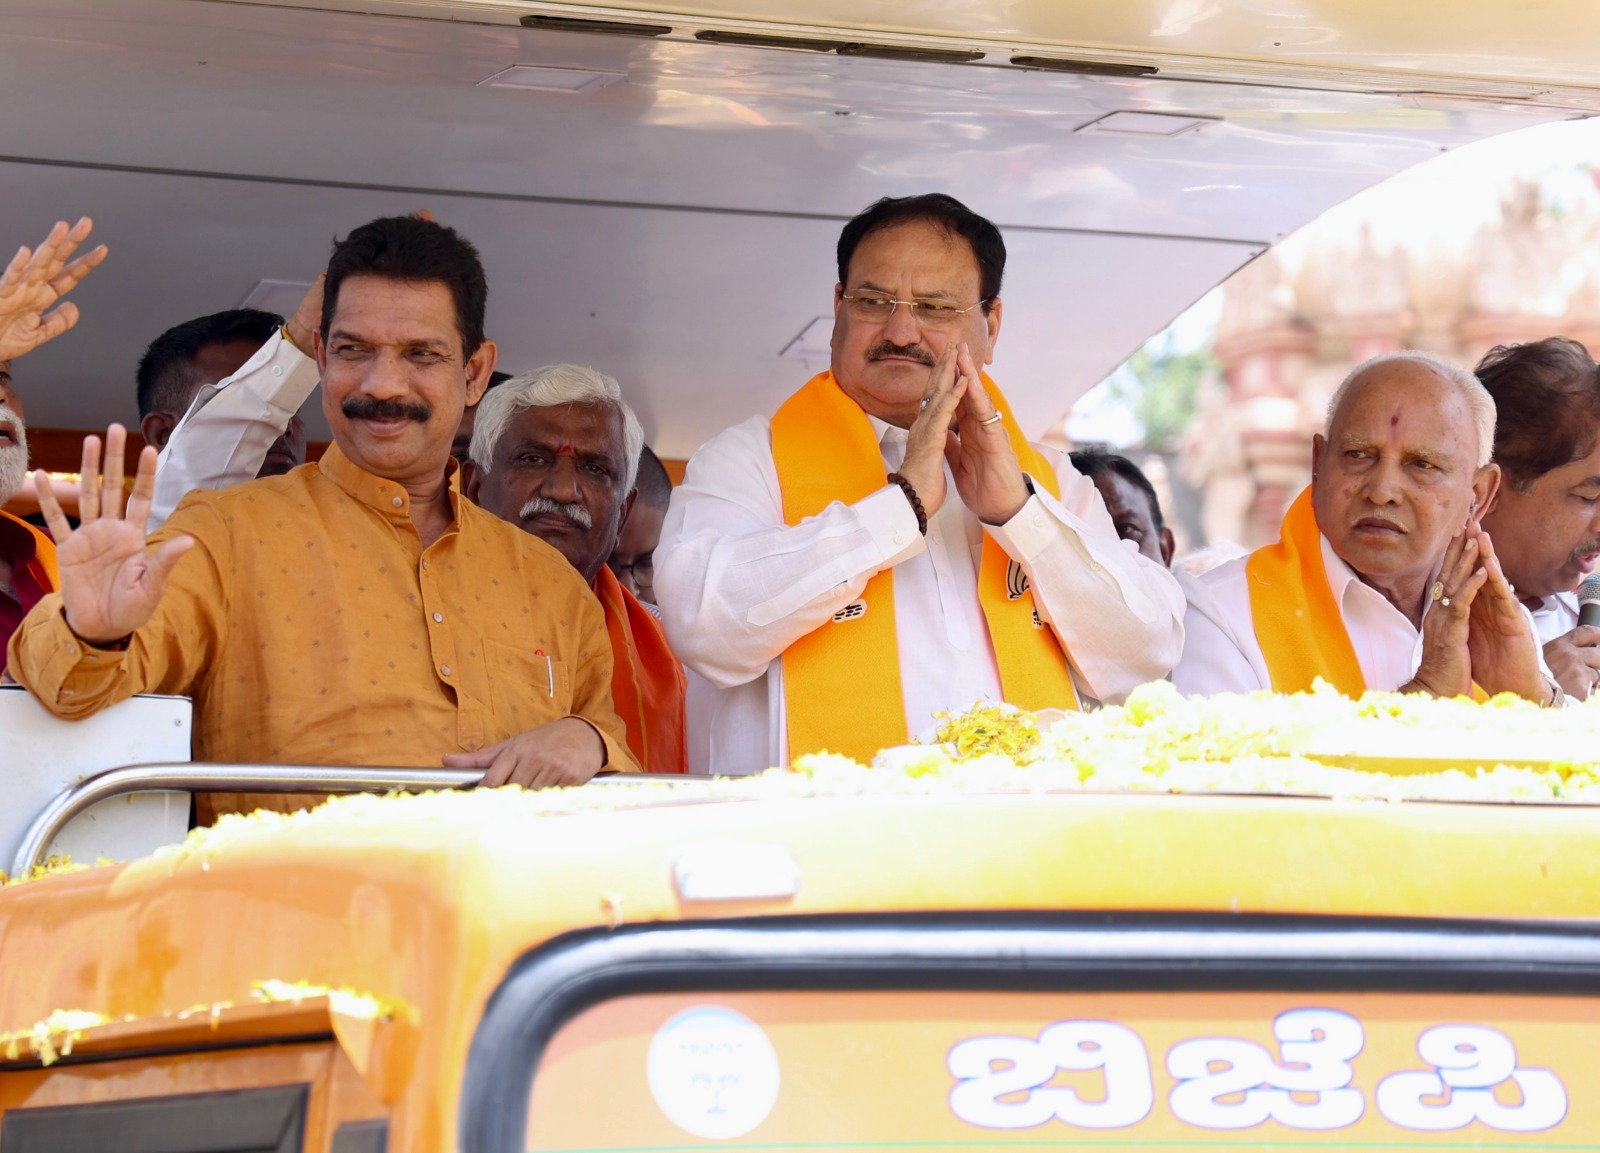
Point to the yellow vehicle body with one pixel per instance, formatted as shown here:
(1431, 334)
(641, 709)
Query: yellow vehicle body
(420, 907)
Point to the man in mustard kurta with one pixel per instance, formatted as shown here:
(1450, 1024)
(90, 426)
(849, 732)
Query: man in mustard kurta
(357, 610)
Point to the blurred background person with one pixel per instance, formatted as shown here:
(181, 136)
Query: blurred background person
(1545, 520)
(1131, 500)
(633, 559)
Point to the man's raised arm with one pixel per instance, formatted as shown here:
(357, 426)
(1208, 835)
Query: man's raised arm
(226, 434)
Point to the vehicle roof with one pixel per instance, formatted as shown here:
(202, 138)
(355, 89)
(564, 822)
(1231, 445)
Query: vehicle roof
(426, 901)
(222, 144)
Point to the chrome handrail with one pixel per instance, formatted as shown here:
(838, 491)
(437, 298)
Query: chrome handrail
(318, 780)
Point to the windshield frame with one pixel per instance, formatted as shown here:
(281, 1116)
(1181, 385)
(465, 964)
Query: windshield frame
(1045, 952)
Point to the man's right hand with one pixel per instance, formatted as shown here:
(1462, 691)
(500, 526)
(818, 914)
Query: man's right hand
(307, 319)
(929, 434)
(1575, 660)
(1446, 668)
(110, 581)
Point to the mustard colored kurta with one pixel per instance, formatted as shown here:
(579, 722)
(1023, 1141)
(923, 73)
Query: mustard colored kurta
(311, 627)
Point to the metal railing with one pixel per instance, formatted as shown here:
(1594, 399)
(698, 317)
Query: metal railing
(315, 780)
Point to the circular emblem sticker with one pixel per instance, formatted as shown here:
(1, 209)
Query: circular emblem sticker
(713, 1072)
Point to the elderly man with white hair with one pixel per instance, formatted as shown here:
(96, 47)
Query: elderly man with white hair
(556, 451)
(1383, 577)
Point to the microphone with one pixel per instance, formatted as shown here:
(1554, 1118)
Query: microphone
(1589, 602)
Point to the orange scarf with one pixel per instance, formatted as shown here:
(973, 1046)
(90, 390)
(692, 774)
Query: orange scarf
(1297, 621)
(647, 682)
(43, 565)
(842, 681)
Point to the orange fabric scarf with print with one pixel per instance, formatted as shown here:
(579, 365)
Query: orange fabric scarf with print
(841, 682)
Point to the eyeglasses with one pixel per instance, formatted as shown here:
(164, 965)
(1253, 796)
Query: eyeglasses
(929, 314)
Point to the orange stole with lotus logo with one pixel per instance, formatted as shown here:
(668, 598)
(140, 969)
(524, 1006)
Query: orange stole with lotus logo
(841, 682)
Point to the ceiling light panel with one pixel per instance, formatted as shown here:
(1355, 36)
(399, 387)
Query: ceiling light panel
(541, 78)
(1147, 124)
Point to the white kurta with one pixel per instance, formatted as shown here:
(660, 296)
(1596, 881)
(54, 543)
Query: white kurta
(231, 425)
(1222, 655)
(737, 586)
(1556, 616)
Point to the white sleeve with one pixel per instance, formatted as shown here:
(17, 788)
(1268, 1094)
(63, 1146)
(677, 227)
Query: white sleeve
(229, 428)
(736, 586)
(1119, 614)
(1218, 656)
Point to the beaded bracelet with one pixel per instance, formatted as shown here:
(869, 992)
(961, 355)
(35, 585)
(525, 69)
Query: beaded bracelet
(916, 503)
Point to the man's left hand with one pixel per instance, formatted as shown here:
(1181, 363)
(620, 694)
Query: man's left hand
(35, 281)
(986, 470)
(564, 752)
(1504, 648)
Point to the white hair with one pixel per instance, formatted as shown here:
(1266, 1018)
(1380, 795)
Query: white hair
(1478, 399)
(13, 457)
(545, 388)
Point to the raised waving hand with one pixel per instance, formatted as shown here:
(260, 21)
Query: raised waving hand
(111, 581)
(33, 283)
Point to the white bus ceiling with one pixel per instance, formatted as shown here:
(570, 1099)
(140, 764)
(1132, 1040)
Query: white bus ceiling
(674, 225)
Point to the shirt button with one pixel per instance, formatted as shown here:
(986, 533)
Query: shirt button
(899, 538)
(1038, 521)
(424, 562)
(1094, 566)
(398, 501)
(444, 670)
(277, 370)
(438, 618)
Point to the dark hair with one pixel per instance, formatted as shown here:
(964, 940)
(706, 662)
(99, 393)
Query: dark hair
(167, 377)
(1092, 463)
(1547, 406)
(653, 484)
(413, 249)
(944, 211)
(496, 379)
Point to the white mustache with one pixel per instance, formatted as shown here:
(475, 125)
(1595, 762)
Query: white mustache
(576, 513)
(11, 416)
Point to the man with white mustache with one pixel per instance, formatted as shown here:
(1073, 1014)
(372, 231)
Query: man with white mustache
(556, 453)
(30, 288)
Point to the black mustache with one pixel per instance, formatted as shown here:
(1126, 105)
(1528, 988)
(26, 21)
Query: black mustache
(373, 408)
(910, 351)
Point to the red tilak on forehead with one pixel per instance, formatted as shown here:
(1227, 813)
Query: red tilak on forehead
(566, 450)
(1395, 419)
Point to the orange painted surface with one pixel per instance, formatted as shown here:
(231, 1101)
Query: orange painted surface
(426, 901)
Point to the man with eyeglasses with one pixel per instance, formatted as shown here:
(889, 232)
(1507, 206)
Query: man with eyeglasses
(888, 546)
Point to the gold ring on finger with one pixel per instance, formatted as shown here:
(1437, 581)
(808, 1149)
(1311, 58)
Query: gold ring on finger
(1437, 591)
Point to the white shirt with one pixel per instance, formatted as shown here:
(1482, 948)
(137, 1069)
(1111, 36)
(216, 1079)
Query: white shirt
(737, 586)
(1556, 616)
(226, 434)
(1222, 655)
